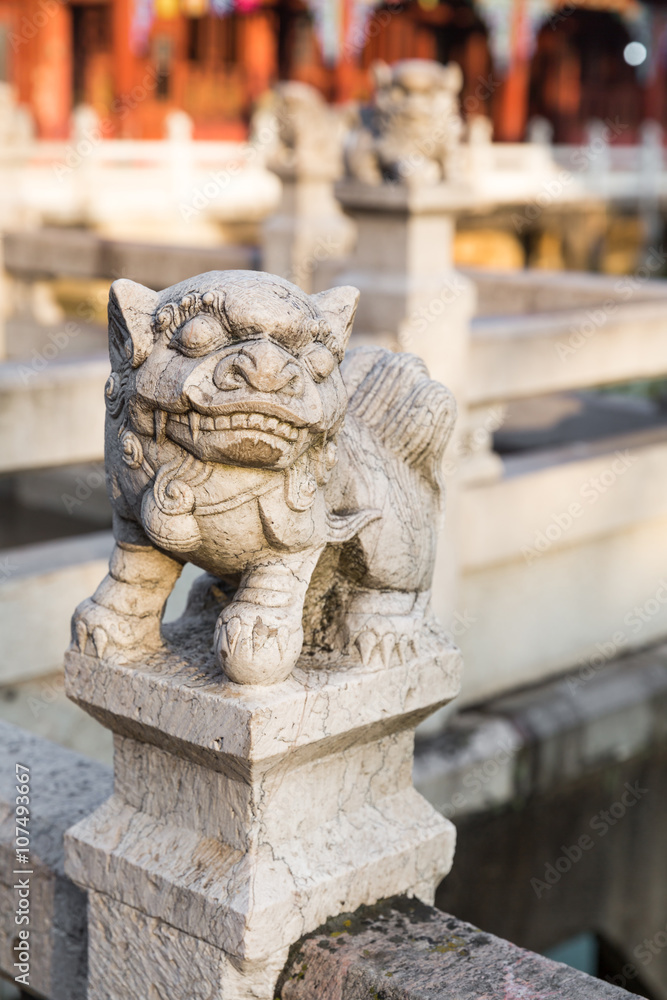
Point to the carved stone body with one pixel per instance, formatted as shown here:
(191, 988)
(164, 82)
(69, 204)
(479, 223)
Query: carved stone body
(307, 491)
(412, 132)
(309, 132)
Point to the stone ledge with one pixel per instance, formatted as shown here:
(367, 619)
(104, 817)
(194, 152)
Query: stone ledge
(64, 788)
(540, 738)
(404, 950)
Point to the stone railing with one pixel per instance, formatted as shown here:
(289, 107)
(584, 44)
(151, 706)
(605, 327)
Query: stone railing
(132, 188)
(400, 944)
(531, 334)
(512, 509)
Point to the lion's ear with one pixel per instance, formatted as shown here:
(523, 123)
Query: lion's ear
(131, 308)
(338, 306)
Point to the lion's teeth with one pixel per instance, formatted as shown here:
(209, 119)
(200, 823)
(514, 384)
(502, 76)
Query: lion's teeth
(239, 420)
(256, 420)
(270, 423)
(283, 429)
(207, 423)
(160, 425)
(194, 418)
(221, 423)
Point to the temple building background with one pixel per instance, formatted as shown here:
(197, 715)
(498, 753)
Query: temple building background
(134, 61)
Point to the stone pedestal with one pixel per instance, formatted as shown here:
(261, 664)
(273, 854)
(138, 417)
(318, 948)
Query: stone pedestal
(243, 817)
(307, 237)
(412, 299)
(402, 265)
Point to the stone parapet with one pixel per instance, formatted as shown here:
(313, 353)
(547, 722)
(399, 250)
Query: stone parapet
(402, 949)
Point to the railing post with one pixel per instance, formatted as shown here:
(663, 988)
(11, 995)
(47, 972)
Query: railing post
(264, 742)
(403, 194)
(308, 235)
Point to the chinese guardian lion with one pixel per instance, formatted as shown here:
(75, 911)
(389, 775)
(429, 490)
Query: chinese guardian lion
(306, 486)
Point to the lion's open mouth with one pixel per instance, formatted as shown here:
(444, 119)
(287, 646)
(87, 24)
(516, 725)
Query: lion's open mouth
(198, 423)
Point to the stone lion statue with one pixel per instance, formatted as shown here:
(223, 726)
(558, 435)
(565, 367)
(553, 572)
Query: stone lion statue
(308, 132)
(412, 131)
(305, 485)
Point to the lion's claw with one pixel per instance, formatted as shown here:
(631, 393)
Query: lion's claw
(256, 645)
(384, 637)
(98, 631)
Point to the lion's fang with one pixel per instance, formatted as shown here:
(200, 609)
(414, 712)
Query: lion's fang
(194, 418)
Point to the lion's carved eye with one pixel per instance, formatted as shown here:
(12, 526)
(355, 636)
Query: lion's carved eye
(200, 335)
(319, 361)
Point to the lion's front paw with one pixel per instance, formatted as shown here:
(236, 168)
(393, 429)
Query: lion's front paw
(256, 645)
(101, 632)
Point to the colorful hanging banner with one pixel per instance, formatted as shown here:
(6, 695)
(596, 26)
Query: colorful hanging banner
(143, 15)
(328, 18)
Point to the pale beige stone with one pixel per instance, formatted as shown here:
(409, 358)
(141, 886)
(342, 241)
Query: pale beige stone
(233, 442)
(414, 127)
(309, 233)
(263, 764)
(252, 813)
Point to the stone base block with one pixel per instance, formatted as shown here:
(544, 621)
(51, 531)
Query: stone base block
(242, 818)
(182, 967)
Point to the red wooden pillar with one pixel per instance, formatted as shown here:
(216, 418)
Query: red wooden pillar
(123, 61)
(49, 54)
(260, 54)
(511, 121)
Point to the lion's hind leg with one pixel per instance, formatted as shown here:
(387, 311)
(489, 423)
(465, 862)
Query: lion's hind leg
(382, 626)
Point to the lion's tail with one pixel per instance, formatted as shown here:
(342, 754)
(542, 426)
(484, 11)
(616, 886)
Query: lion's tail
(410, 413)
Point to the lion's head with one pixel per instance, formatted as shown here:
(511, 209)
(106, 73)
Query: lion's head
(237, 367)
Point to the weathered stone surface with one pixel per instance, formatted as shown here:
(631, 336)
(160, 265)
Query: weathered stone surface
(63, 787)
(305, 239)
(413, 129)
(243, 816)
(235, 441)
(264, 740)
(401, 950)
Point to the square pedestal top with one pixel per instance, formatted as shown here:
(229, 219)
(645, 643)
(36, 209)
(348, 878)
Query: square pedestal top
(180, 699)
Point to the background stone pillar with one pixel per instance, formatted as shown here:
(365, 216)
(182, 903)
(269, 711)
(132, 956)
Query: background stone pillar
(413, 299)
(307, 237)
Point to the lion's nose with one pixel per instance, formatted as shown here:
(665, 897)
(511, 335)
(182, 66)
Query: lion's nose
(261, 365)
